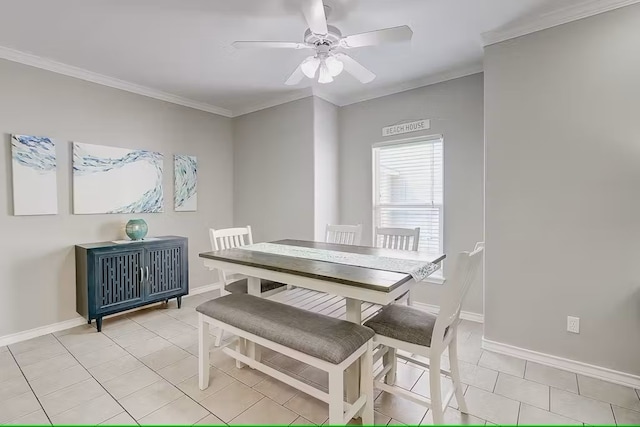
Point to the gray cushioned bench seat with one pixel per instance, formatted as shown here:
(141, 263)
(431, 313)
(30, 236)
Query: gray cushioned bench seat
(320, 336)
(241, 286)
(404, 323)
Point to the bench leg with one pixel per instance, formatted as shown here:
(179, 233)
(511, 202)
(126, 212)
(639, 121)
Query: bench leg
(240, 348)
(254, 287)
(203, 353)
(366, 384)
(336, 399)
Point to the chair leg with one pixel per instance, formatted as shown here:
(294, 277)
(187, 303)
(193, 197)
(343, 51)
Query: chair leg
(336, 397)
(366, 384)
(203, 353)
(390, 359)
(455, 372)
(435, 388)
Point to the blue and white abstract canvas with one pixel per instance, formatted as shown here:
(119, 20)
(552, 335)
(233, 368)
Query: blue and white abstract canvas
(186, 183)
(35, 186)
(116, 180)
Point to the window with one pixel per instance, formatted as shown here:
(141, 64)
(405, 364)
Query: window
(408, 190)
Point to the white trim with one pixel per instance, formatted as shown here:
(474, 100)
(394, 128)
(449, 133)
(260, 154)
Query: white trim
(77, 321)
(367, 95)
(464, 315)
(553, 19)
(338, 100)
(436, 278)
(416, 139)
(90, 76)
(42, 330)
(274, 102)
(202, 289)
(606, 374)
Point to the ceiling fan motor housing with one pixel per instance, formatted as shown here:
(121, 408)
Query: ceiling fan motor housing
(330, 39)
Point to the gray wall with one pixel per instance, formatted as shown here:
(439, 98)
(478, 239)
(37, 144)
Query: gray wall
(273, 167)
(455, 108)
(325, 147)
(37, 268)
(562, 190)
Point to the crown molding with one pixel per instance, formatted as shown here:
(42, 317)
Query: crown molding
(82, 74)
(273, 102)
(342, 101)
(553, 19)
(409, 85)
(90, 76)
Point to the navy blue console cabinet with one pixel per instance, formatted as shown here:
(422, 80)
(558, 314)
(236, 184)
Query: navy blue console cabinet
(113, 277)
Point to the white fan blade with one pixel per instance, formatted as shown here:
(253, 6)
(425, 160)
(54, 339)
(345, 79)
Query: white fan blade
(270, 45)
(295, 77)
(354, 68)
(313, 11)
(388, 35)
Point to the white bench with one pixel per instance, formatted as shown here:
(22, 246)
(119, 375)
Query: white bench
(329, 344)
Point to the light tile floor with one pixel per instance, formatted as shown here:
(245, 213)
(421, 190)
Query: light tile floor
(143, 369)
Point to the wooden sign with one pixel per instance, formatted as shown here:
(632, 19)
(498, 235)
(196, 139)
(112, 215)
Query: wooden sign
(416, 126)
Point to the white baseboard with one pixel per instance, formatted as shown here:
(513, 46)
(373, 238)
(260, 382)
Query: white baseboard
(42, 330)
(202, 289)
(606, 374)
(77, 321)
(465, 315)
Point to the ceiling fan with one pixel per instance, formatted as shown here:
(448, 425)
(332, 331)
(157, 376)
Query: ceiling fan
(327, 41)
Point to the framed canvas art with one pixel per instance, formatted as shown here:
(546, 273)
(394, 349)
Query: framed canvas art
(116, 180)
(35, 185)
(186, 183)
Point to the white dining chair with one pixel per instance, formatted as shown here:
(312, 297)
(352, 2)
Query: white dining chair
(344, 234)
(416, 332)
(230, 238)
(406, 239)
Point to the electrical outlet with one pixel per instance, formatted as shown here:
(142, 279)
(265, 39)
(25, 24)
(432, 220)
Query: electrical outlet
(573, 324)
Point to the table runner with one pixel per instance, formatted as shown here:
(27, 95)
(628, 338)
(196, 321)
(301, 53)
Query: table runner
(419, 270)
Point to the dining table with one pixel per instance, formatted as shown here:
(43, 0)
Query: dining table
(359, 274)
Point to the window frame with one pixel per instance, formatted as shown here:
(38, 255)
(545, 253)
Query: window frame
(437, 277)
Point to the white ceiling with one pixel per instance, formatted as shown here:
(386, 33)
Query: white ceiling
(182, 47)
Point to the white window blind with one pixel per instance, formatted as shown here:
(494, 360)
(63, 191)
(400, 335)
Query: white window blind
(408, 189)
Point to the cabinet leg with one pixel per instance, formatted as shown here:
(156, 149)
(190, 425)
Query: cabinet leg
(99, 324)
(179, 302)
(88, 321)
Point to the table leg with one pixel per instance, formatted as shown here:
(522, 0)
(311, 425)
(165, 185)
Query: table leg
(253, 288)
(354, 314)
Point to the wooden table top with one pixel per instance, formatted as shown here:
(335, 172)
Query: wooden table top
(380, 280)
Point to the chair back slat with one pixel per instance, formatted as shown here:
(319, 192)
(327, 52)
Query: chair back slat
(229, 238)
(464, 274)
(406, 239)
(344, 234)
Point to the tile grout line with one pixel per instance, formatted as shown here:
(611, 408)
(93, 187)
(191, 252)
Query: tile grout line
(157, 373)
(95, 379)
(614, 414)
(30, 388)
(518, 417)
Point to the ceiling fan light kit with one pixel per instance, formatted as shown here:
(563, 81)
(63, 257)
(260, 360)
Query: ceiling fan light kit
(329, 59)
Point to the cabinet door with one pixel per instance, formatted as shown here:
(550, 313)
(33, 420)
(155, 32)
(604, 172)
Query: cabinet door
(166, 264)
(118, 279)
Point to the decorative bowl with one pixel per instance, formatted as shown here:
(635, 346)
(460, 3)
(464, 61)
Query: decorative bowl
(136, 229)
